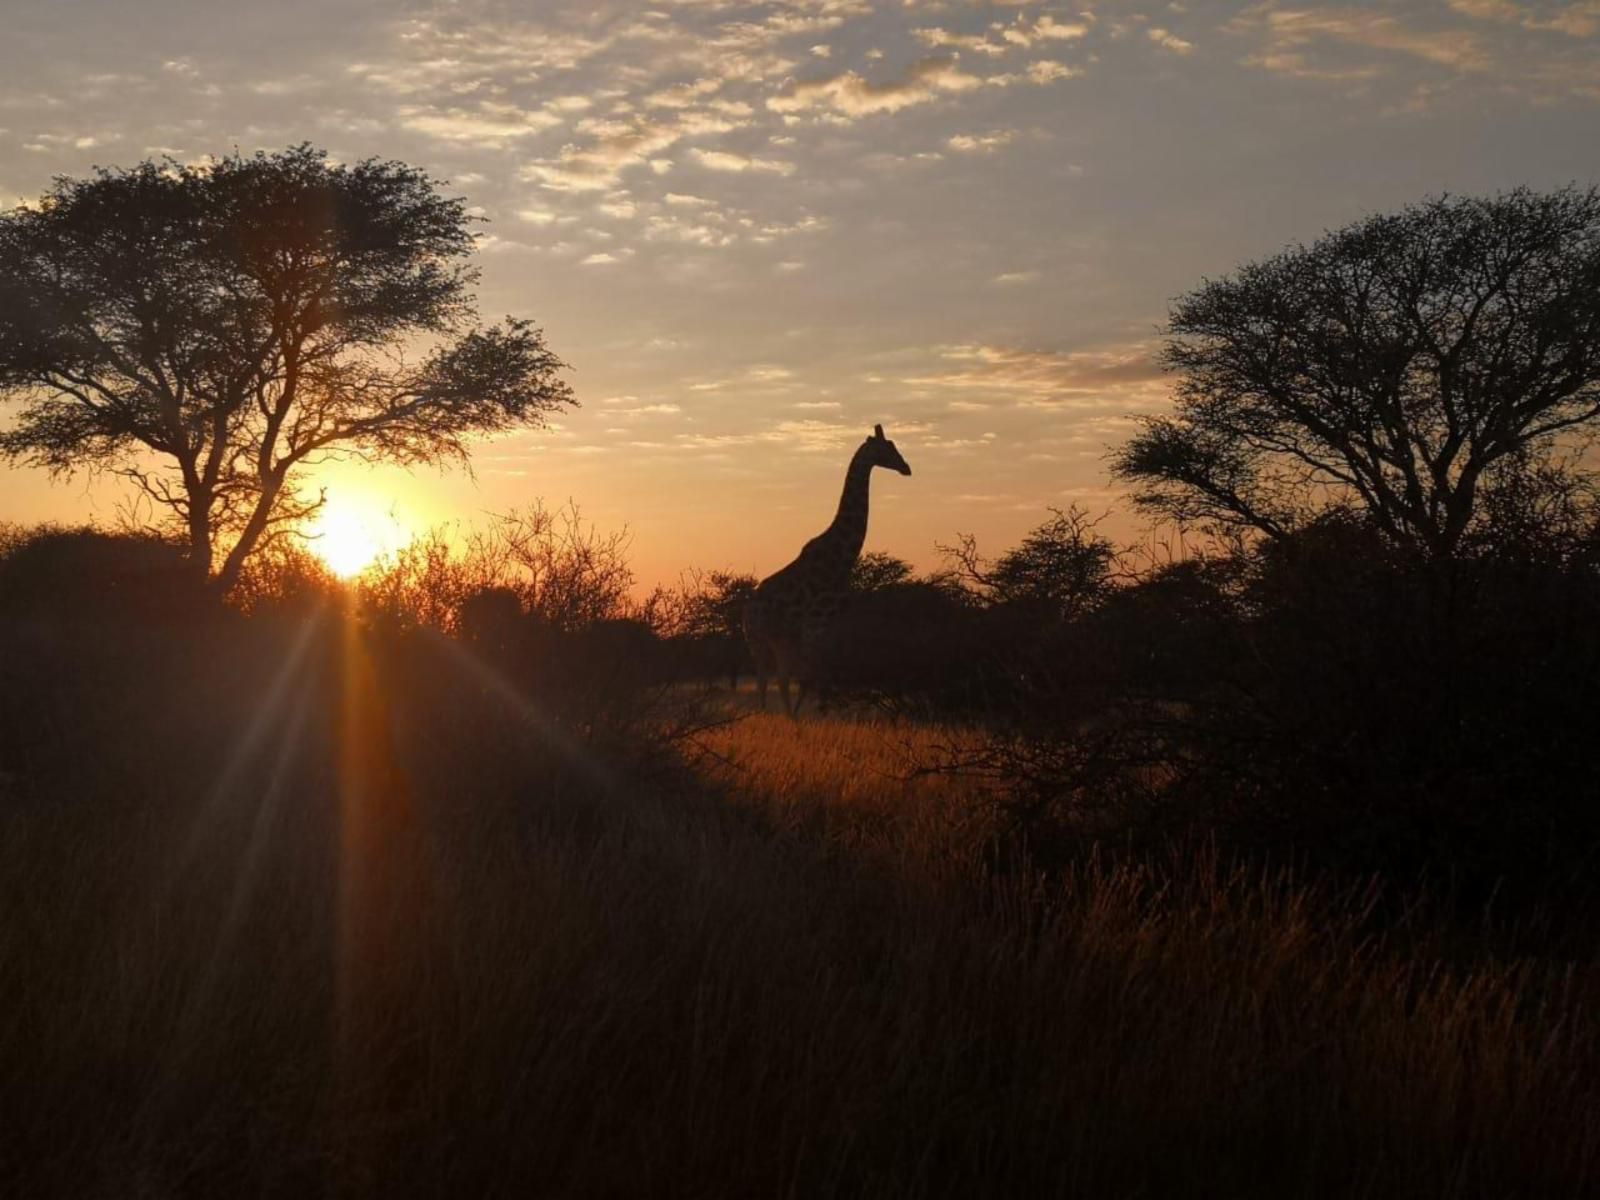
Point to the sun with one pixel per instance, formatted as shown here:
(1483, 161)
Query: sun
(350, 538)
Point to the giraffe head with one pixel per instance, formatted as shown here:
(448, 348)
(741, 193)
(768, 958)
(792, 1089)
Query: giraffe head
(883, 452)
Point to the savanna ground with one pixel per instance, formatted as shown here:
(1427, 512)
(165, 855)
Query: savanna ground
(290, 908)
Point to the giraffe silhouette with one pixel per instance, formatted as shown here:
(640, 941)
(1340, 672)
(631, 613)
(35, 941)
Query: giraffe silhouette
(789, 613)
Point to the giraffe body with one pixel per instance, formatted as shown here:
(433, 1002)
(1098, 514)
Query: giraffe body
(787, 619)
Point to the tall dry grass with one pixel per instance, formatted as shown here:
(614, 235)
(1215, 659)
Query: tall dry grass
(441, 964)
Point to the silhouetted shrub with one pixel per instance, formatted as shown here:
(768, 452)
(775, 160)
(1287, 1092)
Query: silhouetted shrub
(564, 573)
(1325, 693)
(702, 623)
(285, 580)
(86, 575)
(906, 645)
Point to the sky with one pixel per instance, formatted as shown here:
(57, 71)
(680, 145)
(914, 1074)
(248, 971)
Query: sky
(755, 230)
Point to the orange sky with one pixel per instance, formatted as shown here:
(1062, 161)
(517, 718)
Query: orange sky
(757, 229)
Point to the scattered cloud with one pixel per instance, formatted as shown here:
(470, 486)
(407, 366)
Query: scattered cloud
(45, 143)
(1000, 39)
(683, 95)
(852, 96)
(488, 124)
(1047, 71)
(1168, 40)
(980, 143)
(727, 160)
(1045, 29)
(616, 145)
(1045, 378)
(977, 43)
(1296, 41)
(1578, 20)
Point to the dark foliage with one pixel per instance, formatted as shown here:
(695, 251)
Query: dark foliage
(875, 570)
(702, 623)
(1323, 693)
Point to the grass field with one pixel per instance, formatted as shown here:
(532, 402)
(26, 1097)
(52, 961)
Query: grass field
(795, 972)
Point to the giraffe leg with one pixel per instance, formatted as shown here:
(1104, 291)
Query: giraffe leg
(789, 670)
(761, 657)
(809, 651)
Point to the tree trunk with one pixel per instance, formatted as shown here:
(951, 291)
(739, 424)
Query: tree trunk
(200, 534)
(228, 576)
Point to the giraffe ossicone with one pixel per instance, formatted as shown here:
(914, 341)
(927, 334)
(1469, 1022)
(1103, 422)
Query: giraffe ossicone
(789, 615)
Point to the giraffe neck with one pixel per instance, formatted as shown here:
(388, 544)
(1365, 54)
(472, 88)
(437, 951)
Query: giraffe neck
(848, 533)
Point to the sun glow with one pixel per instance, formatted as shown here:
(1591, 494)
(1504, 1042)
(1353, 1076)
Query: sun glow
(350, 536)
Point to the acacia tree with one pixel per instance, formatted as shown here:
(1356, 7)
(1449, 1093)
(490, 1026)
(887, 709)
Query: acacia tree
(209, 331)
(1400, 366)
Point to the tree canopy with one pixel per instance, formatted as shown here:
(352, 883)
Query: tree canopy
(1061, 570)
(876, 570)
(1405, 366)
(208, 330)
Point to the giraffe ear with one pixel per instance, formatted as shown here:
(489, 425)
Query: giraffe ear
(877, 432)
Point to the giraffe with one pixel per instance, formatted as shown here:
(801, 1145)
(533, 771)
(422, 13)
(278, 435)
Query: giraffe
(785, 619)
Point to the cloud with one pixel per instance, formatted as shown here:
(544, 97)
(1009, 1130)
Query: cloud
(852, 96)
(652, 410)
(1169, 41)
(804, 435)
(489, 124)
(1047, 71)
(980, 143)
(1013, 277)
(943, 39)
(602, 259)
(693, 232)
(1290, 35)
(772, 230)
(1045, 378)
(617, 145)
(1022, 34)
(770, 376)
(727, 160)
(683, 95)
(1578, 20)
(46, 143)
(1045, 29)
